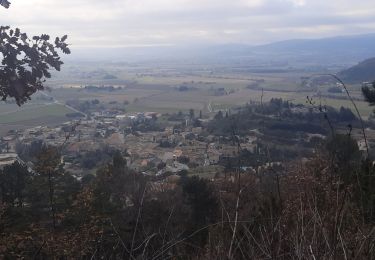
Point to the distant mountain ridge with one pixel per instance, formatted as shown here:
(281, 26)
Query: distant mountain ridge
(346, 50)
(363, 42)
(364, 71)
(335, 50)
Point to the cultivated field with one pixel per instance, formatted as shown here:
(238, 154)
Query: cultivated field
(155, 88)
(31, 116)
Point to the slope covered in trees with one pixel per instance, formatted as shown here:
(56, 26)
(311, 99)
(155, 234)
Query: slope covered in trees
(363, 72)
(324, 208)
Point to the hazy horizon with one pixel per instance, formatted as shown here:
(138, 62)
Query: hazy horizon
(146, 23)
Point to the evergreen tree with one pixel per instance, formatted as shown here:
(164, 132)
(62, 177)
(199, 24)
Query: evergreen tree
(368, 91)
(13, 181)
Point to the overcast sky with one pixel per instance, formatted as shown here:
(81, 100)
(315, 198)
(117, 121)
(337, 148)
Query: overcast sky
(123, 23)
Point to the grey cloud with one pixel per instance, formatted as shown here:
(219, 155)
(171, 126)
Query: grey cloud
(132, 22)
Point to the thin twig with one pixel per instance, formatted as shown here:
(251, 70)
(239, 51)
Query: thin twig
(39, 249)
(137, 222)
(235, 225)
(354, 105)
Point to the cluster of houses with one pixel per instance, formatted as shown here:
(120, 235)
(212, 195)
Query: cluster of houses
(173, 150)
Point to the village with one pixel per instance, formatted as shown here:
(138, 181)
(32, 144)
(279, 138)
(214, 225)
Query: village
(174, 150)
(160, 145)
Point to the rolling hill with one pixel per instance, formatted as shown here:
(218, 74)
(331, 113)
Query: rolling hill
(364, 71)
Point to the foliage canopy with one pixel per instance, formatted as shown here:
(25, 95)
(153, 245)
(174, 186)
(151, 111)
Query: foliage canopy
(26, 62)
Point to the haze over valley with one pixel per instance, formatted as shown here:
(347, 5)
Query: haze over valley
(159, 129)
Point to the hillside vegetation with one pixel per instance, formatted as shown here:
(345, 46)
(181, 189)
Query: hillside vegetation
(363, 72)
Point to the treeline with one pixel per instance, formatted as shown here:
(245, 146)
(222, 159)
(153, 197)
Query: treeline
(86, 106)
(104, 88)
(282, 115)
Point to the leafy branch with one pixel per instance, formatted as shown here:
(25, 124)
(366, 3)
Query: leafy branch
(26, 62)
